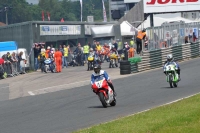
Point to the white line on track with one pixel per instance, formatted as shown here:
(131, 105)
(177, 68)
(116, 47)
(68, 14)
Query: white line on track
(31, 93)
(154, 107)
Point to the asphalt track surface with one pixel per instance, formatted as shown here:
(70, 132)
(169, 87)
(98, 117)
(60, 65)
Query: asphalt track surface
(69, 110)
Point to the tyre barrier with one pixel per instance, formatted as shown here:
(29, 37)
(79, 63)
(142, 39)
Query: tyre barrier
(156, 58)
(134, 67)
(125, 67)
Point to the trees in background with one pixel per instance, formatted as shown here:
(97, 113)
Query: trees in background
(71, 11)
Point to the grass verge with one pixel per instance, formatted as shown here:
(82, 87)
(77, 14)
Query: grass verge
(180, 117)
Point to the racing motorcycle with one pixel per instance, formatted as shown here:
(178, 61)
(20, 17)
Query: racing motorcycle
(49, 65)
(105, 93)
(90, 62)
(171, 75)
(113, 60)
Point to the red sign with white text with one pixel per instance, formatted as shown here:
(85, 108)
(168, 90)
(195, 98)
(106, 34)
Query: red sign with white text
(156, 6)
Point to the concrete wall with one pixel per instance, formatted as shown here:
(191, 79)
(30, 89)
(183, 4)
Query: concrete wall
(135, 14)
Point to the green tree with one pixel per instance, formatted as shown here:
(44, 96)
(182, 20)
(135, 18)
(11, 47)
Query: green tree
(70, 11)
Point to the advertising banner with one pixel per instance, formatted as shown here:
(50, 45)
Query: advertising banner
(60, 30)
(157, 6)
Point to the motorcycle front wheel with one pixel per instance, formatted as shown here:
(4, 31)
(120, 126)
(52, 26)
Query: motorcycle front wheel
(103, 99)
(171, 81)
(52, 68)
(45, 69)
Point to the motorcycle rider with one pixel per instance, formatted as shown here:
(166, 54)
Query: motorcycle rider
(170, 60)
(94, 54)
(99, 73)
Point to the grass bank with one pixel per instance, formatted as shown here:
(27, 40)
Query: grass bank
(180, 117)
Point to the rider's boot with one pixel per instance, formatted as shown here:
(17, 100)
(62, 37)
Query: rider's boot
(112, 87)
(179, 78)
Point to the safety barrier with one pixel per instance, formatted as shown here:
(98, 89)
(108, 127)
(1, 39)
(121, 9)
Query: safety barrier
(12, 69)
(172, 34)
(156, 58)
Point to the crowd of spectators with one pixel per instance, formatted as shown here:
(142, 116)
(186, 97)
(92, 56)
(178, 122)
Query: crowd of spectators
(10, 64)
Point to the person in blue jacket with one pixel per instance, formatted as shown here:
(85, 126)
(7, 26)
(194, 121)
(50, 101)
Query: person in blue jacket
(101, 73)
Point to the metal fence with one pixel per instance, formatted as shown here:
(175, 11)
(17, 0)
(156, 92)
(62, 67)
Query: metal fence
(12, 69)
(172, 34)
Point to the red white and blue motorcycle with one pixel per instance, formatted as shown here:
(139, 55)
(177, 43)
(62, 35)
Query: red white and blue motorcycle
(105, 93)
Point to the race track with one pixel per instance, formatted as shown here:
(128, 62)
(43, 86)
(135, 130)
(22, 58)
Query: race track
(68, 110)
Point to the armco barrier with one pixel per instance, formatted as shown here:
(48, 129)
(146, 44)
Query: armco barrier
(156, 58)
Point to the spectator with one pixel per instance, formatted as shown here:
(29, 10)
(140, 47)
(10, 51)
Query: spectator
(37, 51)
(131, 52)
(115, 45)
(93, 46)
(20, 63)
(140, 36)
(86, 51)
(90, 45)
(58, 59)
(52, 48)
(194, 37)
(126, 46)
(14, 63)
(78, 51)
(98, 46)
(66, 53)
(62, 51)
(42, 59)
(186, 39)
(1, 68)
(47, 52)
(1, 61)
(80, 56)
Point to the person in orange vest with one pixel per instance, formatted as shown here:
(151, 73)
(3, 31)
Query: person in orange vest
(140, 36)
(131, 52)
(58, 60)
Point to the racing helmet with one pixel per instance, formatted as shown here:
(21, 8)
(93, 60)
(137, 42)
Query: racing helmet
(91, 49)
(170, 57)
(97, 68)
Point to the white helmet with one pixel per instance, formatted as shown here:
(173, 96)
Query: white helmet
(91, 49)
(169, 57)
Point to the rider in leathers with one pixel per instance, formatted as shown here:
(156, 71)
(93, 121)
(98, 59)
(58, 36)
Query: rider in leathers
(101, 73)
(170, 60)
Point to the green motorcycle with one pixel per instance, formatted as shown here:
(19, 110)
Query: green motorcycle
(171, 75)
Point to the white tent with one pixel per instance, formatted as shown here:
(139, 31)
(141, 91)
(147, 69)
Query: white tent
(127, 29)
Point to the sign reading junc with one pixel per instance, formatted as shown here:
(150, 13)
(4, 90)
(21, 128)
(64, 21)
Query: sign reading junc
(60, 30)
(157, 6)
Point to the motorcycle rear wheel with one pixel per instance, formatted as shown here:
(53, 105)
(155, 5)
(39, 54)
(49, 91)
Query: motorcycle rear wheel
(102, 99)
(175, 84)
